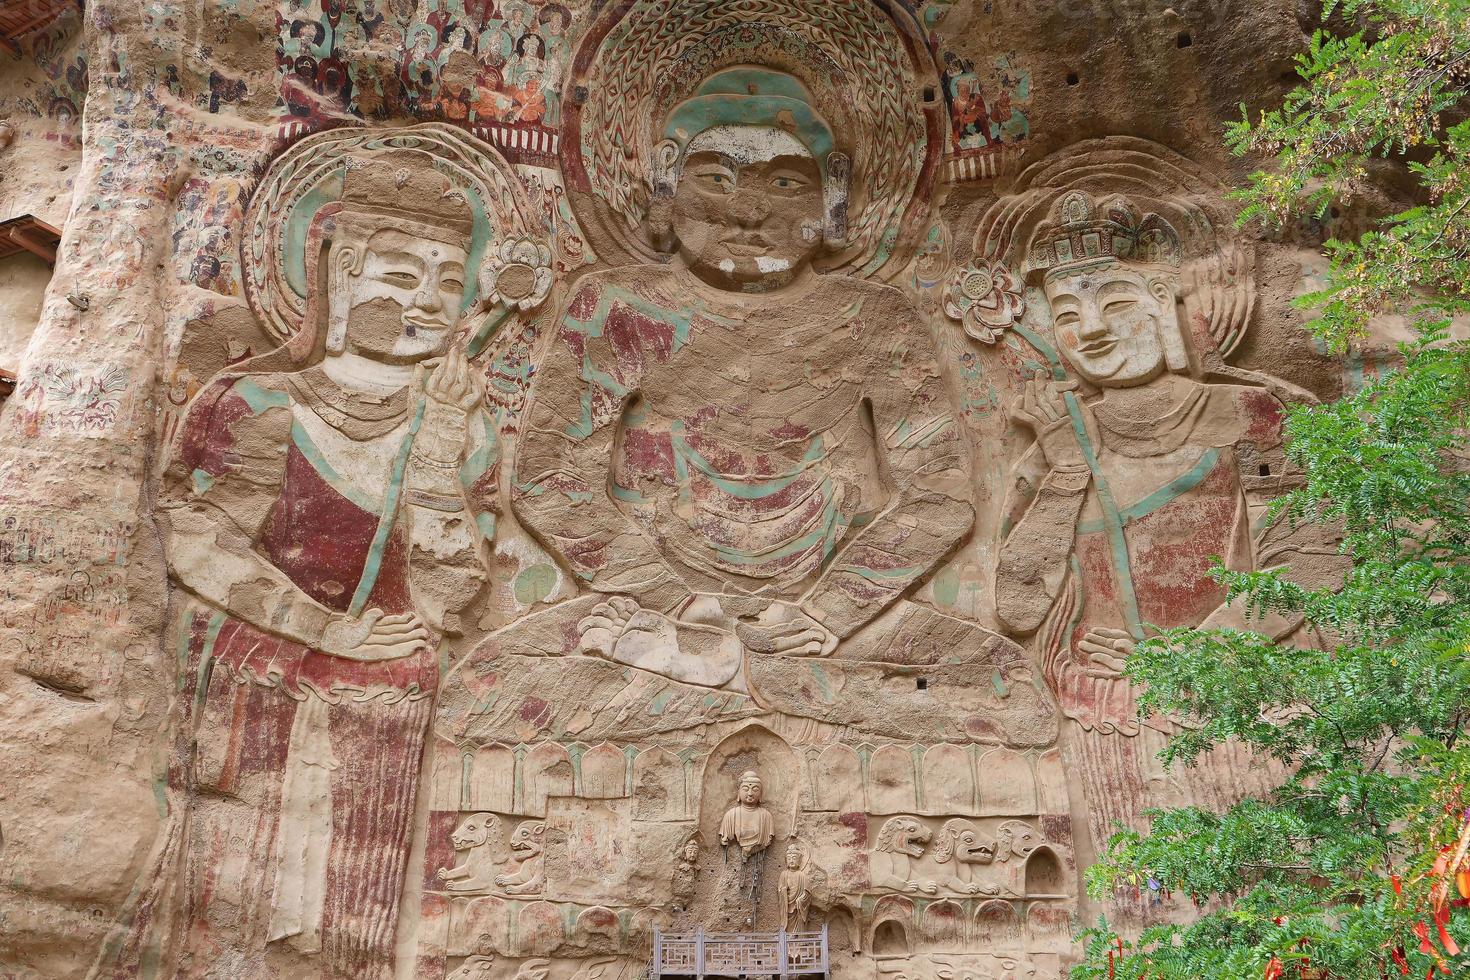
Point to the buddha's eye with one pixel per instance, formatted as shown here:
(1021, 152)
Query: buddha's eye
(787, 183)
(405, 280)
(1120, 307)
(452, 285)
(718, 180)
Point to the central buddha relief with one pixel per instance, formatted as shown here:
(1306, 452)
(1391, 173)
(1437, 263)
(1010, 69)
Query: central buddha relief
(738, 450)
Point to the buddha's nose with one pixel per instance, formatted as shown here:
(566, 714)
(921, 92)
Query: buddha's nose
(749, 208)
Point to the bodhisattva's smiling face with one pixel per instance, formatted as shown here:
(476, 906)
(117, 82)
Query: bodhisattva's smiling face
(404, 300)
(748, 209)
(1109, 324)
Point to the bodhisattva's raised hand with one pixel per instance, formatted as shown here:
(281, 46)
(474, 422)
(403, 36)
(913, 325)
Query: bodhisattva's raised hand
(1043, 409)
(374, 637)
(452, 388)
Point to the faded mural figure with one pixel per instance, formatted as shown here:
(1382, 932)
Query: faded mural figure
(1131, 485)
(745, 456)
(331, 524)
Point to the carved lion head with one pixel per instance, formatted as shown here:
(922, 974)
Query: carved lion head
(903, 835)
(526, 841)
(476, 830)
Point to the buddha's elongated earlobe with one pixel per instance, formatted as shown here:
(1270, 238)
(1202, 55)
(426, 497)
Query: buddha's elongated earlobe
(834, 196)
(344, 264)
(665, 181)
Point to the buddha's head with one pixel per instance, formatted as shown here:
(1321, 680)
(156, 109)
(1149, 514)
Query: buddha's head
(1112, 280)
(395, 268)
(750, 185)
(750, 788)
(794, 856)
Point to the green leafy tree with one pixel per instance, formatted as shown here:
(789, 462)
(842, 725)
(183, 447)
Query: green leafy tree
(1347, 869)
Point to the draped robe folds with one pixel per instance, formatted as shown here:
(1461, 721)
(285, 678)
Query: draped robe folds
(683, 441)
(298, 769)
(1166, 498)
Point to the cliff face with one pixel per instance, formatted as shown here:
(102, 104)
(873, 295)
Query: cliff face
(489, 482)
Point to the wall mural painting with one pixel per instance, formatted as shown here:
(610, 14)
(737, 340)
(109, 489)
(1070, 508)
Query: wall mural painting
(608, 491)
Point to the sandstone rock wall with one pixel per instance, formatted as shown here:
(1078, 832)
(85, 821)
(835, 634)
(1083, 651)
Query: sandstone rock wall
(492, 482)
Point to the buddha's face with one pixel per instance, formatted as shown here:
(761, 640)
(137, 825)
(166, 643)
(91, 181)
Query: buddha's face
(402, 299)
(750, 791)
(1110, 323)
(748, 210)
(691, 852)
(793, 860)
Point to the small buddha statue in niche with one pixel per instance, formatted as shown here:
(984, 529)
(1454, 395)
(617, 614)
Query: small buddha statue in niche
(796, 887)
(747, 823)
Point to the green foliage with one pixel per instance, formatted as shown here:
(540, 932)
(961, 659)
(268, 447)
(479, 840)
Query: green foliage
(1334, 874)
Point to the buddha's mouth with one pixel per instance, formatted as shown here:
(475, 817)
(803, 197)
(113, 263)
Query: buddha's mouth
(745, 249)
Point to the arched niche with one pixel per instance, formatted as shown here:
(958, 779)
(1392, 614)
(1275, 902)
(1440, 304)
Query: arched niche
(539, 929)
(997, 926)
(493, 779)
(839, 779)
(1044, 873)
(893, 917)
(942, 925)
(1007, 783)
(597, 930)
(547, 772)
(890, 938)
(752, 747)
(891, 780)
(604, 772)
(949, 785)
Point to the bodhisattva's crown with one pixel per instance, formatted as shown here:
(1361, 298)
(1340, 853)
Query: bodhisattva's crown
(409, 192)
(1081, 232)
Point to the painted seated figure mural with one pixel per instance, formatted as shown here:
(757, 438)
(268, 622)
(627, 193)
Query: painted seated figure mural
(327, 524)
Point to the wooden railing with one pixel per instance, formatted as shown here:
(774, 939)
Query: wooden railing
(739, 954)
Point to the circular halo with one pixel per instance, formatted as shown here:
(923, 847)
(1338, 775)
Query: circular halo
(865, 62)
(308, 176)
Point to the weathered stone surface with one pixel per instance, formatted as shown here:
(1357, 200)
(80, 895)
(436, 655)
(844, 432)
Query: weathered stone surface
(461, 443)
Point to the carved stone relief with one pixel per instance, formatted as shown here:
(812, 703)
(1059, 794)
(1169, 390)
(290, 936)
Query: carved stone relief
(610, 469)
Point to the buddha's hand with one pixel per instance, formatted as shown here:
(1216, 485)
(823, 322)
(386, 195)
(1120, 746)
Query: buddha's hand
(1043, 408)
(451, 387)
(1106, 649)
(374, 636)
(785, 628)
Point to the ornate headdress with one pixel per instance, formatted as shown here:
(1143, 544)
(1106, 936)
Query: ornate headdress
(405, 191)
(1123, 198)
(1082, 232)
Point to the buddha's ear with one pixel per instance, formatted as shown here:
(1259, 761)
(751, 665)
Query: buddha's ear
(835, 191)
(665, 181)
